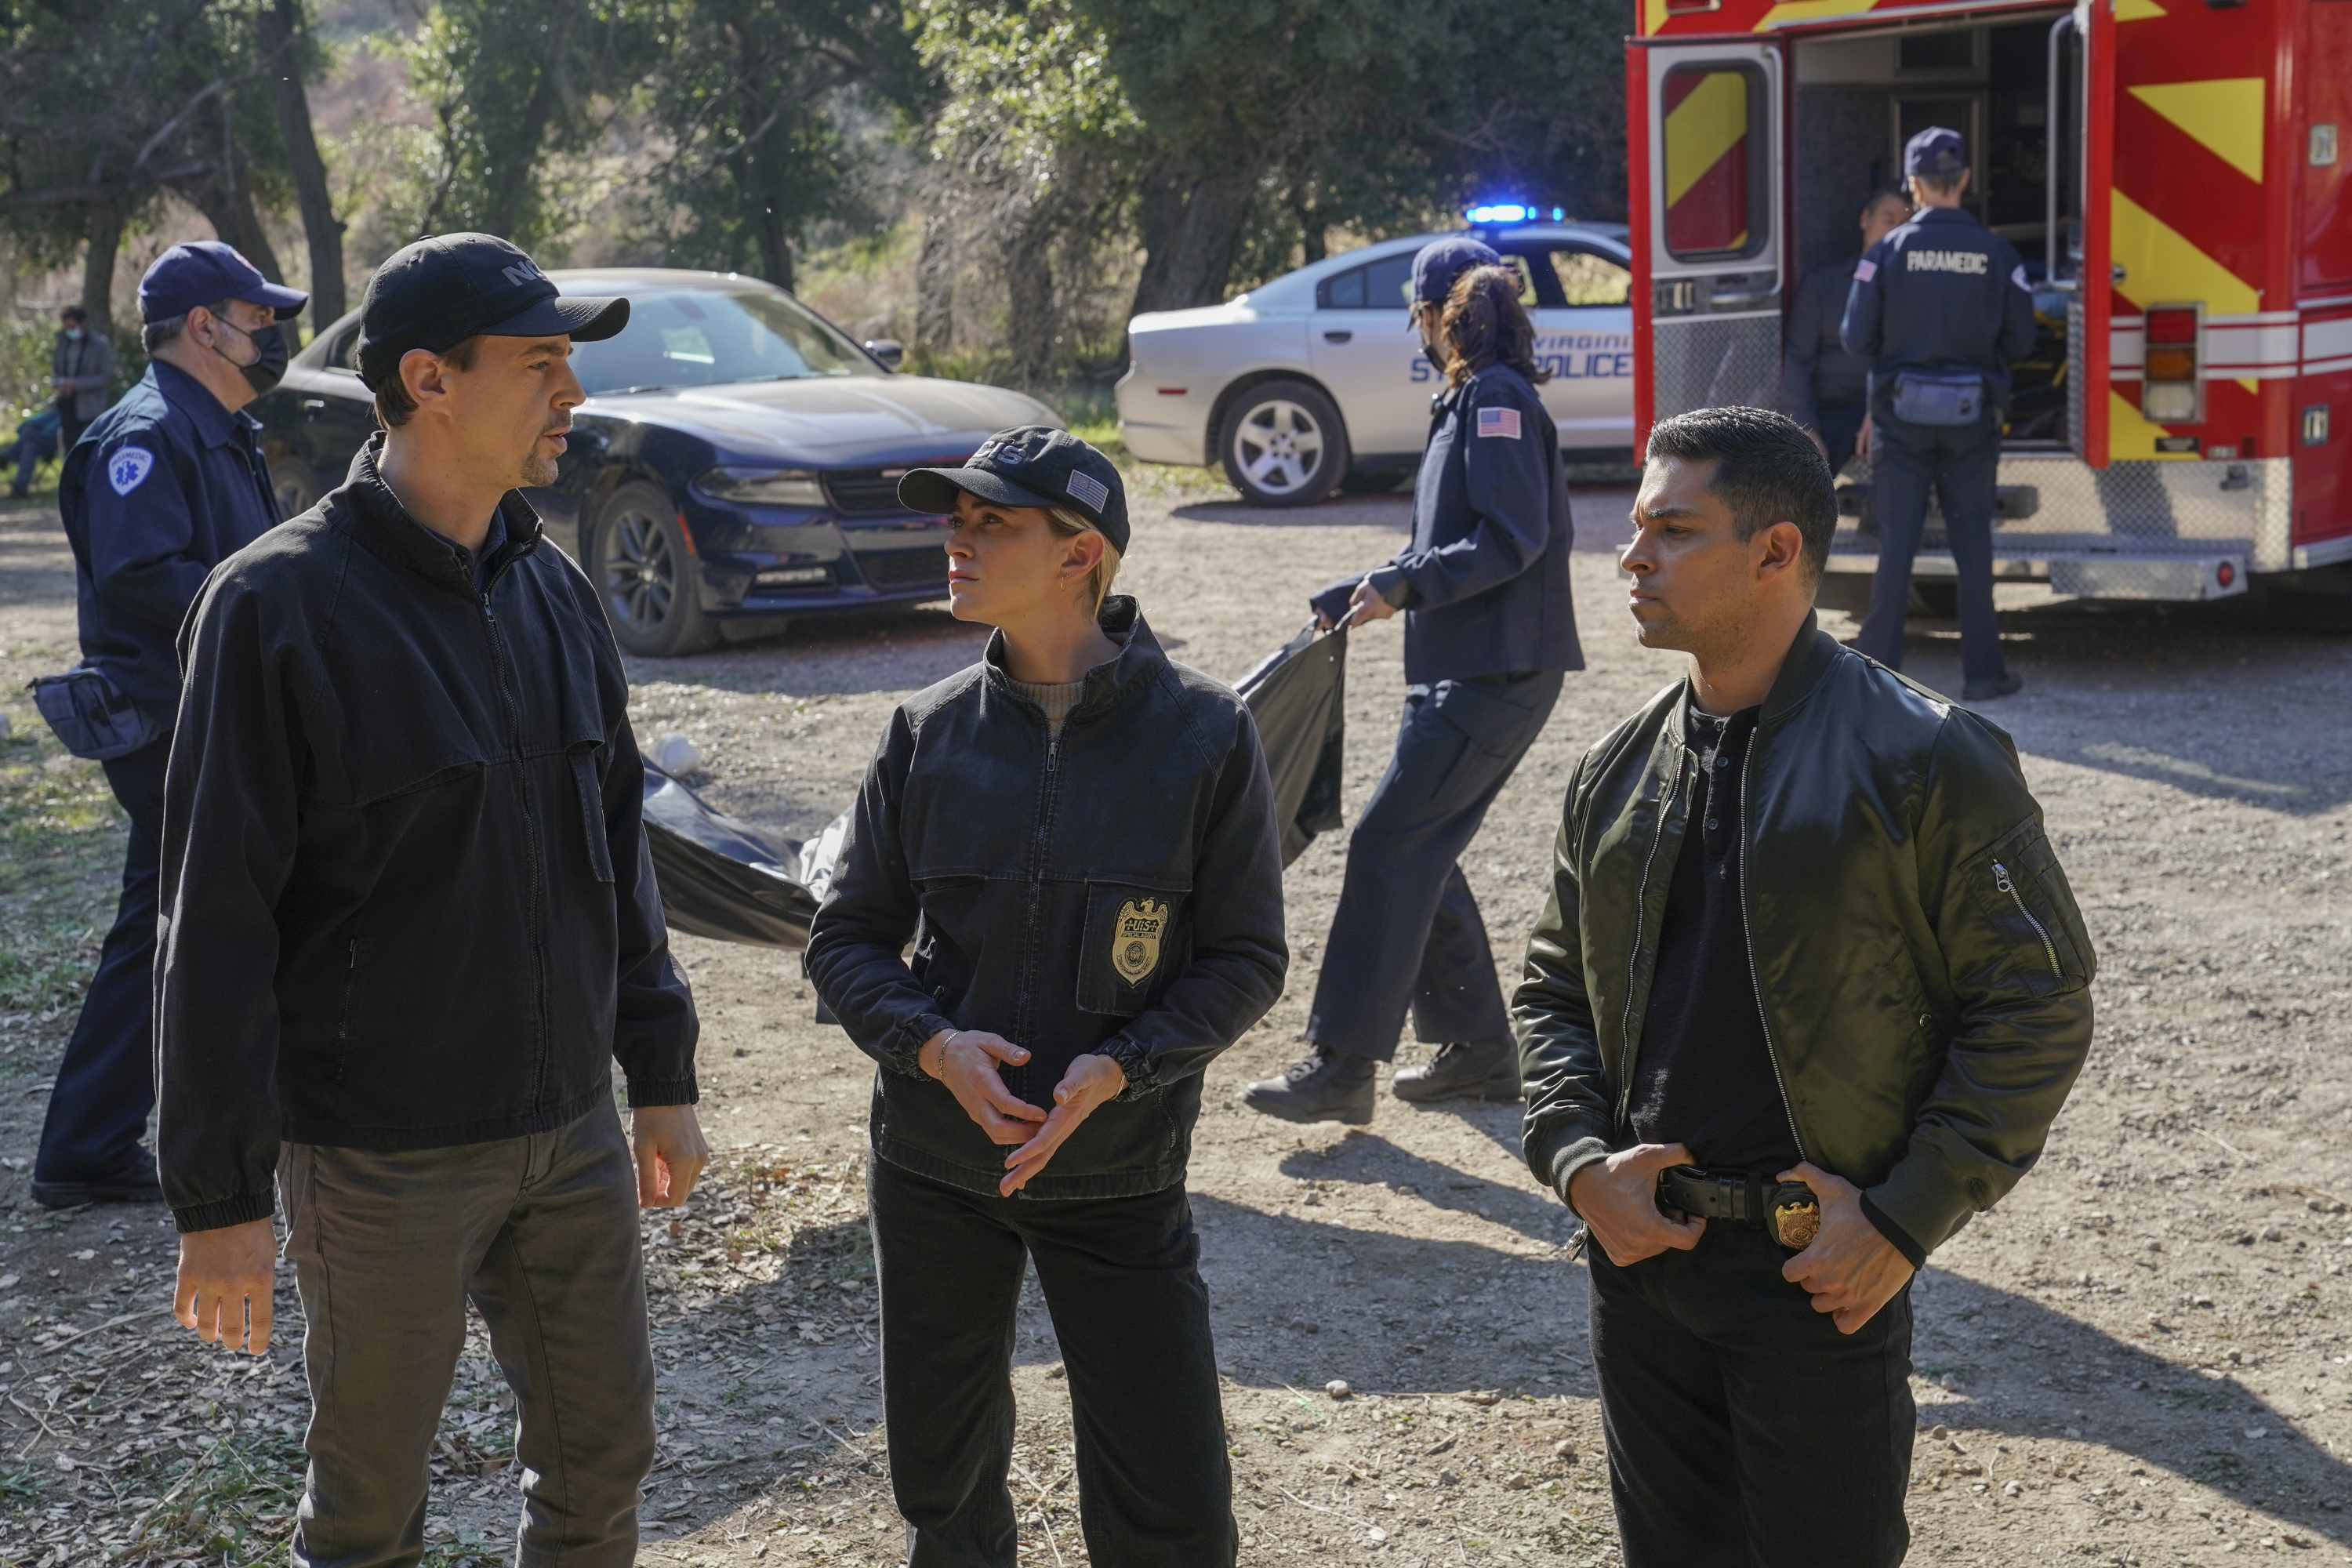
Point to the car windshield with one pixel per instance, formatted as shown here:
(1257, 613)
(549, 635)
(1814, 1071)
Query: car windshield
(716, 337)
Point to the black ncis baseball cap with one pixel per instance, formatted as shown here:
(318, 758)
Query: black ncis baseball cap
(1935, 150)
(1034, 465)
(434, 294)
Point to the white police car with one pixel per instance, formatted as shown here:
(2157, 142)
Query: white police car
(1294, 386)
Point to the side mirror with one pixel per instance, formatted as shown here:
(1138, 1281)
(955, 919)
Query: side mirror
(889, 351)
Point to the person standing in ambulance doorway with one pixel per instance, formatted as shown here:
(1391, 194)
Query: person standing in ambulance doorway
(1940, 308)
(1489, 630)
(160, 489)
(1823, 387)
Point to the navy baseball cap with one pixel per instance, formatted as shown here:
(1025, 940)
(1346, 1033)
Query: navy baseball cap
(1935, 150)
(434, 294)
(1034, 465)
(205, 272)
(1441, 262)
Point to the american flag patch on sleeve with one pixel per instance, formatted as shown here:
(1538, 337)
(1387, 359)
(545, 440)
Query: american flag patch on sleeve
(1866, 271)
(1502, 422)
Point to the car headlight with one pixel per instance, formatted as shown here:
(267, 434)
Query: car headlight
(762, 487)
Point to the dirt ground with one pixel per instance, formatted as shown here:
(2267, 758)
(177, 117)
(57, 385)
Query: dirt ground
(2139, 1358)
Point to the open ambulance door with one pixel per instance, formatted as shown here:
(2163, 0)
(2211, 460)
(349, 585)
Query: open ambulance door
(2080, 245)
(1708, 242)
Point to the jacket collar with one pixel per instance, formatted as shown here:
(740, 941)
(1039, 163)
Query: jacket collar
(375, 517)
(1140, 660)
(214, 421)
(1810, 658)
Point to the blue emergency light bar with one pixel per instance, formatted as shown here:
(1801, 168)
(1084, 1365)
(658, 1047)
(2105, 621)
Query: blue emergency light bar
(1513, 211)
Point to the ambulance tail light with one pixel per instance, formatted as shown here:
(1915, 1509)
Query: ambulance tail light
(2172, 387)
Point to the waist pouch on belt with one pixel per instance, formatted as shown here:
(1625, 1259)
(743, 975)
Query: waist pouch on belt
(91, 715)
(1956, 399)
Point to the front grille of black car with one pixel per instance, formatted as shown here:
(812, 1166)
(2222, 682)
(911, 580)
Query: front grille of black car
(863, 491)
(904, 568)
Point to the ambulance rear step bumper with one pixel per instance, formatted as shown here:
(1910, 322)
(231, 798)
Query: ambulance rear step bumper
(2091, 567)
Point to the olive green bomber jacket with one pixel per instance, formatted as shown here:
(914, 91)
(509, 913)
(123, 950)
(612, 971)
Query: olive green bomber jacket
(1923, 970)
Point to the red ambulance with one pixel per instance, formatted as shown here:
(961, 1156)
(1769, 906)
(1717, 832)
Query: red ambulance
(2174, 172)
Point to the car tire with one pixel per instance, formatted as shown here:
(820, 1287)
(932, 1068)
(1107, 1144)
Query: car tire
(1282, 444)
(645, 575)
(294, 485)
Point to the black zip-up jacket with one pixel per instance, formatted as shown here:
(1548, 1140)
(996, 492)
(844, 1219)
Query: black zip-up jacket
(406, 901)
(1118, 889)
(1919, 960)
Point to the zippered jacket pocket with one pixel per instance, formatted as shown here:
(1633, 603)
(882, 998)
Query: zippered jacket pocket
(2040, 943)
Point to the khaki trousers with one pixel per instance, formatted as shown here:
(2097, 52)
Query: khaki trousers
(541, 1234)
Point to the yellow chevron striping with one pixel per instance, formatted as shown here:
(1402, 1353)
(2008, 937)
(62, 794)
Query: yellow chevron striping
(1702, 127)
(1653, 17)
(2130, 436)
(1811, 11)
(2137, 10)
(2225, 114)
(2161, 265)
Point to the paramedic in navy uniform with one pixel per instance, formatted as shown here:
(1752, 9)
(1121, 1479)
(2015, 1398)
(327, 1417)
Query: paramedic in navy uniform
(1489, 628)
(160, 489)
(1940, 308)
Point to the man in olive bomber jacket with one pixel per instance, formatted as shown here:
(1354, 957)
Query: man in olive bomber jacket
(1808, 994)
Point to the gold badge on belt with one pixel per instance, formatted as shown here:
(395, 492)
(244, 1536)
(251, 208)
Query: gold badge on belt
(1135, 939)
(1796, 1215)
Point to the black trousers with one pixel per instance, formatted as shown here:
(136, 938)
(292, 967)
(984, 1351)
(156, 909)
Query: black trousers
(1121, 1278)
(1962, 463)
(1407, 934)
(106, 1084)
(1743, 1430)
(1840, 427)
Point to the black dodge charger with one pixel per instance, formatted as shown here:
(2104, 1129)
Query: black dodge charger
(736, 465)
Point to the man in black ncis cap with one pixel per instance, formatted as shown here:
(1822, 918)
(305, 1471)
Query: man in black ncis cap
(409, 926)
(1940, 308)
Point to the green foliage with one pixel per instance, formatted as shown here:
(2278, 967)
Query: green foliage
(748, 95)
(512, 86)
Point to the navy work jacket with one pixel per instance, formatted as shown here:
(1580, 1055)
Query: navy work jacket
(1484, 584)
(1815, 370)
(1942, 293)
(161, 487)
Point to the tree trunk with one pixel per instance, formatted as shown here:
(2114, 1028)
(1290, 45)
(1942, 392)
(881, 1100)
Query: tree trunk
(935, 286)
(103, 232)
(1031, 325)
(227, 202)
(511, 197)
(283, 39)
(1199, 245)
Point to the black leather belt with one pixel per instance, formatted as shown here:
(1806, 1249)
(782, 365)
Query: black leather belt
(1736, 1197)
(1789, 1210)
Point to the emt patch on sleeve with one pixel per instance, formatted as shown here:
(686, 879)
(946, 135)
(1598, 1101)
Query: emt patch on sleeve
(1502, 422)
(129, 468)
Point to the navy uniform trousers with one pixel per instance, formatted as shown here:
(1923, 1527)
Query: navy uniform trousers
(106, 1084)
(1407, 934)
(1962, 463)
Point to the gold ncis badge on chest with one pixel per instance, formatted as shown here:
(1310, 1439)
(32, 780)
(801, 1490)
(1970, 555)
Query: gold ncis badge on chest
(1135, 939)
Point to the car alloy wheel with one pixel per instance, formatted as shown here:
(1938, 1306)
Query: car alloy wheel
(297, 491)
(1284, 445)
(644, 572)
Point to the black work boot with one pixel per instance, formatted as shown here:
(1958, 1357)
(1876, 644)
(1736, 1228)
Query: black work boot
(2003, 685)
(1325, 1085)
(1462, 1069)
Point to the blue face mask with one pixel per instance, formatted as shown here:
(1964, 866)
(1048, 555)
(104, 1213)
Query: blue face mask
(73, 335)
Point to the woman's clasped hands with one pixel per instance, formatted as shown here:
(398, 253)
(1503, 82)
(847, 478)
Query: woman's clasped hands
(967, 1060)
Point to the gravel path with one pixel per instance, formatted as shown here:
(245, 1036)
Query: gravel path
(2139, 1358)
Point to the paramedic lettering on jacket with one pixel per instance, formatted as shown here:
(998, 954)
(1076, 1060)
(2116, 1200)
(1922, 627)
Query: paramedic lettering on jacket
(1940, 308)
